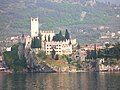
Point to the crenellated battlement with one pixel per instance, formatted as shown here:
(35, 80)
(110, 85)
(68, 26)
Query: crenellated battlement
(47, 31)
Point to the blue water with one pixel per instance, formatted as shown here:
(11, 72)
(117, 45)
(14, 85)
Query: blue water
(60, 81)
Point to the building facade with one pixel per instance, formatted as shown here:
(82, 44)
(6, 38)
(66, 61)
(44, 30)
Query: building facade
(47, 43)
(60, 47)
(34, 27)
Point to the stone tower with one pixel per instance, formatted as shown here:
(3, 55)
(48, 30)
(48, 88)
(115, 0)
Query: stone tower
(34, 27)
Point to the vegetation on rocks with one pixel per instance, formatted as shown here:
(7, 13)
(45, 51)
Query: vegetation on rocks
(13, 61)
(111, 55)
(42, 55)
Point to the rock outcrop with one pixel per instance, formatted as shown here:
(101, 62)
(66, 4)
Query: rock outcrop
(35, 65)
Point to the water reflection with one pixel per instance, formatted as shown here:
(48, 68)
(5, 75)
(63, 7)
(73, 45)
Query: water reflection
(63, 81)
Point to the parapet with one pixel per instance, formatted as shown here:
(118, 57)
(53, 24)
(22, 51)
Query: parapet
(51, 31)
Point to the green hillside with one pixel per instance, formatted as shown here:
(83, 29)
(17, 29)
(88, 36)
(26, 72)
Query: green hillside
(15, 15)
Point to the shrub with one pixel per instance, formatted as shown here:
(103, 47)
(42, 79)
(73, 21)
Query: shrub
(42, 54)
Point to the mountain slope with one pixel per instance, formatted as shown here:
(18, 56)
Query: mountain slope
(15, 15)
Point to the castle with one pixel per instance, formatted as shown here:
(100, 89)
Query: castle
(45, 38)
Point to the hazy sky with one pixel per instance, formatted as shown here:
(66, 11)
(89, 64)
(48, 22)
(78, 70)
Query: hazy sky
(112, 1)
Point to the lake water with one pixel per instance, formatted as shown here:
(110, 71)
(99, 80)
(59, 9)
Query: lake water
(60, 81)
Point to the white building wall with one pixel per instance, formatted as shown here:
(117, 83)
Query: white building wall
(8, 49)
(57, 46)
(66, 49)
(47, 34)
(73, 41)
(28, 42)
(60, 47)
(34, 27)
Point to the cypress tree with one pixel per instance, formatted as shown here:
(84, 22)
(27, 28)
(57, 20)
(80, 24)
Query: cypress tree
(78, 46)
(40, 39)
(33, 43)
(53, 52)
(36, 43)
(45, 38)
(49, 38)
(60, 33)
(59, 37)
(67, 36)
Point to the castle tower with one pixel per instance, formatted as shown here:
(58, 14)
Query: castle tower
(34, 27)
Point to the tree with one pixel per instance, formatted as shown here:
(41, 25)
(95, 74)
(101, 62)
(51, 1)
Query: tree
(70, 43)
(45, 38)
(53, 52)
(106, 51)
(56, 57)
(59, 37)
(91, 54)
(40, 39)
(88, 54)
(13, 61)
(116, 51)
(49, 38)
(42, 54)
(99, 54)
(33, 43)
(67, 36)
(78, 46)
(36, 42)
(107, 45)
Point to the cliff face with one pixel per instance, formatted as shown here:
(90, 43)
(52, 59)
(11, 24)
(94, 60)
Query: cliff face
(47, 65)
(3, 64)
(34, 65)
